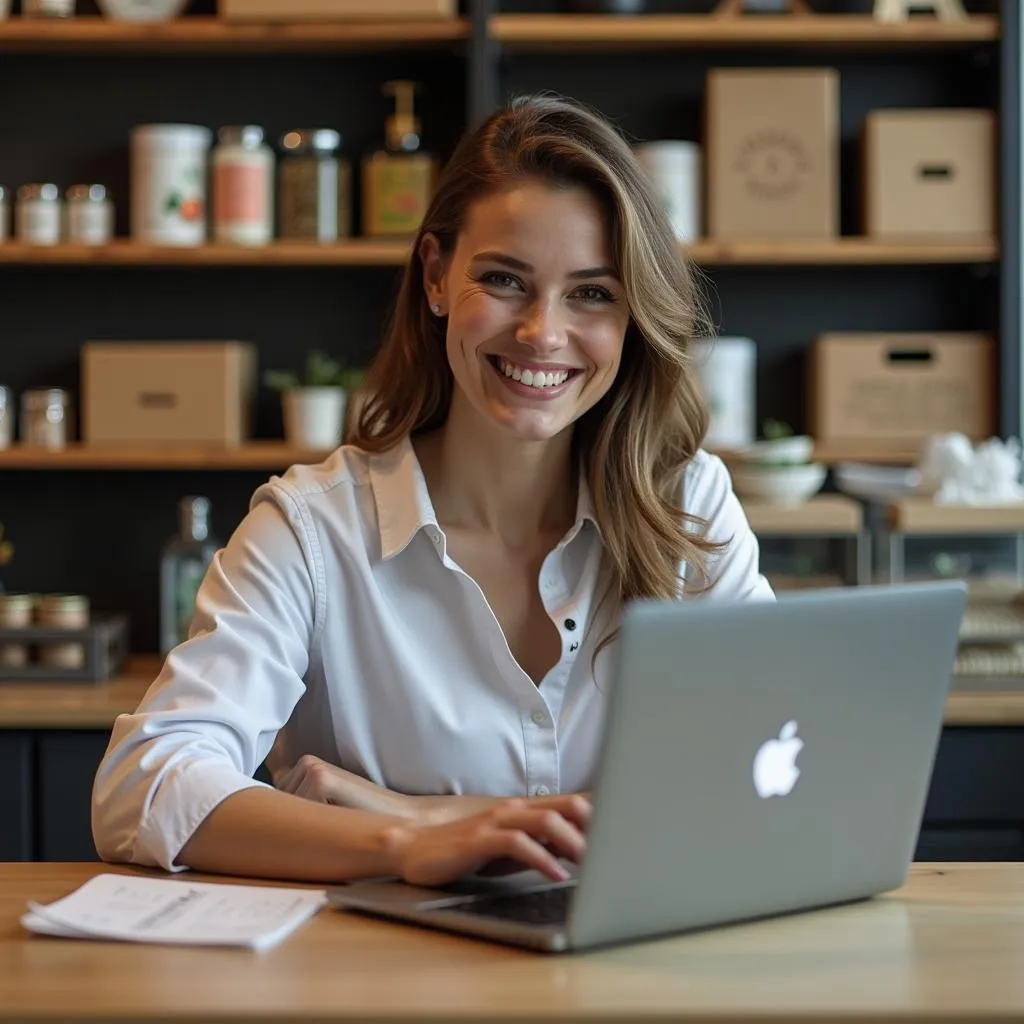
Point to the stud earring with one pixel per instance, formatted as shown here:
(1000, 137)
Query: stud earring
(436, 309)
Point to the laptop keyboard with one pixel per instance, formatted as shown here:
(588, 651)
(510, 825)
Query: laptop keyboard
(548, 906)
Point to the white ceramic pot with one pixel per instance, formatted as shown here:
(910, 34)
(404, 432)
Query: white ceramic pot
(142, 10)
(783, 451)
(727, 369)
(778, 485)
(314, 418)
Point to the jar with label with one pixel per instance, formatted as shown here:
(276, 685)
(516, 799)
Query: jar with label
(15, 613)
(48, 8)
(243, 187)
(168, 183)
(6, 417)
(90, 215)
(39, 214)
(63, 611)
(45, 413)
(315, 197)
(5, 215)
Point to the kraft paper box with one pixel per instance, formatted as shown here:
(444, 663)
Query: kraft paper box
(901, 387)
(334, 10)
(773, 153)
(929, 173)
(177, 392)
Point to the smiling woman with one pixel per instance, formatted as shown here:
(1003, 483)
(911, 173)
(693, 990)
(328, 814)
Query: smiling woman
(411, 633)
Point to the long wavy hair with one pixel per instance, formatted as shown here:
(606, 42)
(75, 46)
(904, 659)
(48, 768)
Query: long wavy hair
(636, 441)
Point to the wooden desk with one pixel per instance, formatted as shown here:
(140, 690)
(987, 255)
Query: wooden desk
(949, 946)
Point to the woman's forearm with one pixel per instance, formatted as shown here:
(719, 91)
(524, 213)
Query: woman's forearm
(267, 834)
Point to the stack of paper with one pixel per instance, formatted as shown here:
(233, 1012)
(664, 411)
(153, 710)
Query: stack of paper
(174, 910)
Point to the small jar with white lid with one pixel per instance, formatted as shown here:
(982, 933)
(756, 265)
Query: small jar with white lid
(243, 187)
(89, 214)
(39, 214)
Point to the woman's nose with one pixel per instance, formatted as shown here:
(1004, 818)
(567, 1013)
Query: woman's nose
(542, 328)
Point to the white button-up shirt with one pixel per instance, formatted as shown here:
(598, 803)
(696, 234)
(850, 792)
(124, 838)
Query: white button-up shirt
(335, 623)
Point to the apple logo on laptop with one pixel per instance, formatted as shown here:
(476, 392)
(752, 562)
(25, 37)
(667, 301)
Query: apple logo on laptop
(775, 770)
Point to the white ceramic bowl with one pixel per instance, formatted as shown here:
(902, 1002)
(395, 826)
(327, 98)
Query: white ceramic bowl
(783, 451)
(142, 10)
(778, 485)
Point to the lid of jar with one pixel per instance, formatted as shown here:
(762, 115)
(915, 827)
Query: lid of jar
(315, 140)
(47, 192)
(17, 602)
(171, 134)
(249, 136)
(63, 603)
(86, 193)
(40, 398)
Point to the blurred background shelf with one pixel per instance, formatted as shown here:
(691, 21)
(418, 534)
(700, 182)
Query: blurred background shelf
(602, 32)
(211, 35)
(257, 455)
(361, 252)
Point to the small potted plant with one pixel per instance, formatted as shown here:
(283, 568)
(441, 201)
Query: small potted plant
(314, 402)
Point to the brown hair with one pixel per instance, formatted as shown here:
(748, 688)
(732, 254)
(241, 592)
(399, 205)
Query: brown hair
(636, 441)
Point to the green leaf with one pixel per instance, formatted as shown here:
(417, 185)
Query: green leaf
(280, 380)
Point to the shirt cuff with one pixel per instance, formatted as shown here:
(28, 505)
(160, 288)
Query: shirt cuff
(185, 797)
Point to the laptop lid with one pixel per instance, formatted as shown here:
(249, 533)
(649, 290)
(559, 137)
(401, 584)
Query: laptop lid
(764, 757)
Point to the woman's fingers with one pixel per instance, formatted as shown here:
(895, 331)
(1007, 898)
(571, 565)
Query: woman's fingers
(548, 827)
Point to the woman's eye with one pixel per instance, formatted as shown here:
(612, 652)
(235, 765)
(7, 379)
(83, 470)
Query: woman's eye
(594, 293)
(500, 280)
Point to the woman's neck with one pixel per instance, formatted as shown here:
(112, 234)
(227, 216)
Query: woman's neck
(483, 480)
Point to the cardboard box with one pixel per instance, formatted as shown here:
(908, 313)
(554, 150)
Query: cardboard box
(901, 387)
(929, 173)
(178, 392)
(334, 10)
(773, 153)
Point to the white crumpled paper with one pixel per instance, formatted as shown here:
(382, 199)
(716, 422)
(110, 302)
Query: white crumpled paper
(956, 472)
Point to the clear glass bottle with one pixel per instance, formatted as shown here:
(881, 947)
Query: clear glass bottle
(182, 568)
(315, 196)
(45, 418)
(243, 187)
(89, 214)
(38, 214)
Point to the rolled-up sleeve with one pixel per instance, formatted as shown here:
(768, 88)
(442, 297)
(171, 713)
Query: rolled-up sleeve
(211, 716)
(734, 569)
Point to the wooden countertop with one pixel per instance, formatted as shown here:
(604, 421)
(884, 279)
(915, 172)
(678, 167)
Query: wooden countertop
(96, 705)
(948, 946)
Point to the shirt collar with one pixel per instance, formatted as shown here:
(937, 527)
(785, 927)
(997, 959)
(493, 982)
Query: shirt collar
(404, 506)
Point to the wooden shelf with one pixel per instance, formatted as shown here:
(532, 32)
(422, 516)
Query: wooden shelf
(211, 35)
(675, 31)
(357, 252)
(825, 515)
(921, 516)
(257, 455)
(369, 252)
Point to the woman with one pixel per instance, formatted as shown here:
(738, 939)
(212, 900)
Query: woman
(417, 632)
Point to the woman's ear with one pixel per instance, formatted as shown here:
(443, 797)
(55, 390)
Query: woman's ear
(435, 270)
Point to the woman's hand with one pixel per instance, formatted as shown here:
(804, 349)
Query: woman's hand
(314, 779)
(517, 833)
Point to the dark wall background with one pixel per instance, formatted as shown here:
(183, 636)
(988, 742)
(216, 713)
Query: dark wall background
(66, 118)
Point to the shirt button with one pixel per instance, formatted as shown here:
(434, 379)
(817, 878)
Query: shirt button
(541, 791)
(570, 624)
(574, 645)
(539, 718)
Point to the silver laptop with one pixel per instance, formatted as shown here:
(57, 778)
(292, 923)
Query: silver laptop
(758, 759)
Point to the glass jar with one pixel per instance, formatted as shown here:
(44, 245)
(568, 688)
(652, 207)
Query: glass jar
(15, 613)
(39, 214)
(44, 417)
(48, 8)
(6, 417)
(90, 215)
(243, 187)
(315, 186)
(63, 611)
(5, 215)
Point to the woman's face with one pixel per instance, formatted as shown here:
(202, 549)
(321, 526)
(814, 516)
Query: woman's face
(536, 314)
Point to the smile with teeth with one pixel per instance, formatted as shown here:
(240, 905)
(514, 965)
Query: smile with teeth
(532, 378)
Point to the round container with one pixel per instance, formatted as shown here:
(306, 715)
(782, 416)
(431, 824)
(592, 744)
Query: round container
(90, 215)
(243, 187)
(47, 8)
(168, 183)
(15, 613)
(39, 214)
(142, 10)
(6, 417)
(727, 369)
(5, 211)
(63, 611)
(674, 167)
(315, 195)
(45, 413)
